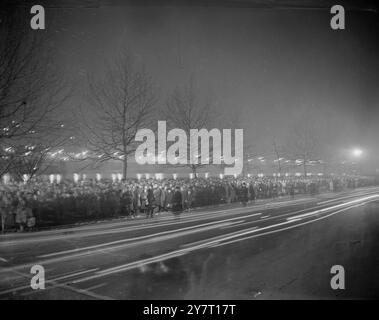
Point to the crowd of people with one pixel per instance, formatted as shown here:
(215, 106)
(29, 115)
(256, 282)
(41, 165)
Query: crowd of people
(38, 203)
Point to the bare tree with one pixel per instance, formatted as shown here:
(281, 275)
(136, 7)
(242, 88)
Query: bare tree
(185, 110)
(303, 141)
(30, 90)
(279, 154)
(236, 120)
(121, 104)
(35, 157)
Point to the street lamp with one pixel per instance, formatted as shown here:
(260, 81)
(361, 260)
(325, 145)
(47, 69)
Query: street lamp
(357, 152)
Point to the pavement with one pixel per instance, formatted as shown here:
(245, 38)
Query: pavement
(282, 249)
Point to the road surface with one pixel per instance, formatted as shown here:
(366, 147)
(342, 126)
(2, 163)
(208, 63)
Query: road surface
(282, 249)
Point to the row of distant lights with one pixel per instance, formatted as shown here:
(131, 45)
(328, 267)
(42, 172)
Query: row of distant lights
(117, 177)
(80, 155)
(84, 153)
(297, 161)
(116, 154)
(65, 156)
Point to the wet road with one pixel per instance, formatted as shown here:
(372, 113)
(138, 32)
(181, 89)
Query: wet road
(269, 250)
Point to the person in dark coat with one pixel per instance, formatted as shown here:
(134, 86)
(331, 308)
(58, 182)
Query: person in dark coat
(126, 203)
(243, 194)
(150, 203)
(252, 192)
(177, 201)
(123, 204)
(136, 201)
(292, 191)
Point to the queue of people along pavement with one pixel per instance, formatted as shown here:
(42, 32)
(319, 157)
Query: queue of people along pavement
(38, 203)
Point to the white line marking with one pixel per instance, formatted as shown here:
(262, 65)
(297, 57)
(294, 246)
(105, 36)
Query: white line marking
(3, 260)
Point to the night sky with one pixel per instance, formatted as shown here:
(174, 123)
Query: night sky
(267, 66)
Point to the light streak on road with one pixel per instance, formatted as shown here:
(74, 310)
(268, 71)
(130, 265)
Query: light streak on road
(334, 207)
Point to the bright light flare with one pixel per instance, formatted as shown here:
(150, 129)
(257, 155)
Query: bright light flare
(357, 152)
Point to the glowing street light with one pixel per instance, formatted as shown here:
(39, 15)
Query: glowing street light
(357, 152)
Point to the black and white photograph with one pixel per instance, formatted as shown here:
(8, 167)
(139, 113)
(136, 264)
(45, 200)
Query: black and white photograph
(196, 151)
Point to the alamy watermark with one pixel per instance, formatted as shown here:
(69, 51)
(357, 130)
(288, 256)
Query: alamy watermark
(38, 280)
(337, 22)
(184, 150)
(337, 282)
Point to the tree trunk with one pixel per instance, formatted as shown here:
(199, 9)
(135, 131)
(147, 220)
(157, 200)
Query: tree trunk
(2, 223)
(125, 167)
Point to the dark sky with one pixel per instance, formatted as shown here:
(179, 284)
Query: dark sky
(269, 66)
